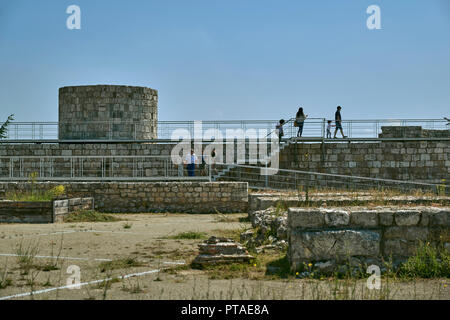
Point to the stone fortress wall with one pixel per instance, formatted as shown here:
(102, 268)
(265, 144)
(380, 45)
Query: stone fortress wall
(422, 161)
(107, 112)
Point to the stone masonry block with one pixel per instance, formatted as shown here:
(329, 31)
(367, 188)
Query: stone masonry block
(305, 218)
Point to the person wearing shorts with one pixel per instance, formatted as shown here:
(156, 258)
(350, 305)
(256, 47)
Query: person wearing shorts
(338, 121)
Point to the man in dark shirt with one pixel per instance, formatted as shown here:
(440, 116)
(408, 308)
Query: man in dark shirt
(338, 120)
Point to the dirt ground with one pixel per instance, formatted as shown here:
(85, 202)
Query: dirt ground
(155, 266)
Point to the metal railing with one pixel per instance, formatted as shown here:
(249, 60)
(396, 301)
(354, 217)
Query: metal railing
(313, 128)
(294, 179)
(97, 168)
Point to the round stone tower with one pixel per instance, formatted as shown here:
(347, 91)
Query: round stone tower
(105, 112)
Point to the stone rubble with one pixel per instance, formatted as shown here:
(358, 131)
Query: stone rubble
(221, 250)
(270, 230)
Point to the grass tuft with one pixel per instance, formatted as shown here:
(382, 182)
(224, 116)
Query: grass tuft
(89, 216)
(428, 262)
(120, 264)
(190, 235)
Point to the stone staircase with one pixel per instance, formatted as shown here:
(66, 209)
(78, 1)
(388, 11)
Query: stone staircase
(284, 144)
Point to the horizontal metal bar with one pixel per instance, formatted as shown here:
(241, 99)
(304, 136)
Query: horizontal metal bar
(334, 175)
(100, 179)
(306, 139)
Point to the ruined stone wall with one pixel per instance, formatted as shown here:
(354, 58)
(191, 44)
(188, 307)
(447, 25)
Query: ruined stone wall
(123, 197)
(107, 112)
(41, 211)
(425, 161)
(327, 237)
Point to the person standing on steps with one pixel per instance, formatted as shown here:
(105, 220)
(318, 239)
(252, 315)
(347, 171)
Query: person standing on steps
(280, 130)
(299, 121)
(191, 160)
(338, 120)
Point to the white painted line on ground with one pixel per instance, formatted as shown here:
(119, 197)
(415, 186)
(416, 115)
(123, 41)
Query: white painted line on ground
(73, 286)
(174, 262)
(41, 234)
(52, 257)
(106, 231)
(20, 295)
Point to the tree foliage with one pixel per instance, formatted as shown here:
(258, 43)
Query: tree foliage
(4, 127)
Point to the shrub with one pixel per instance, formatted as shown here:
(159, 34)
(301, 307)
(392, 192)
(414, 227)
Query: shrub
(428, 262)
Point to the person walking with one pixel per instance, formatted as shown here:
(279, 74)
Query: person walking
(338, 120)
(329, 126)
(191, 160)
(299, 121)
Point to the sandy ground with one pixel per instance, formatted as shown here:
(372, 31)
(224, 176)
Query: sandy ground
(145, 238)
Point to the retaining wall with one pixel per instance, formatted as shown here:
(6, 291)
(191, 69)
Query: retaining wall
(124, 197)
(41, 211)
(329, 236)
(423, 161)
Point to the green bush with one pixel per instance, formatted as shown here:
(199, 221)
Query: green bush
(428, 262)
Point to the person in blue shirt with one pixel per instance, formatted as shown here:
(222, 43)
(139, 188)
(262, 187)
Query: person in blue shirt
(191, 160)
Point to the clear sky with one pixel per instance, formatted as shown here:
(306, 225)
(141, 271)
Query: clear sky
(235, 59)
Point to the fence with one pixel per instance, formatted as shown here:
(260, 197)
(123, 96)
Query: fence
(96, 168)
(313, 127)
(295, 179)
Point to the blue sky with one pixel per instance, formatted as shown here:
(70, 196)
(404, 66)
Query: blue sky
(233, 59)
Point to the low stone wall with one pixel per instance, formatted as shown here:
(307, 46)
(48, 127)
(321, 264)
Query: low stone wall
(412, 132)
(26, 212)
(41, 211)
(326, 237)
(260, 201)
(61, 208)
(124, 197)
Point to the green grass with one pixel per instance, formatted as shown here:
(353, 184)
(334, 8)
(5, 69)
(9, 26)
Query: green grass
(190, 235)
(428, 262)
(120, 264)
(30, 197)
(89, 216)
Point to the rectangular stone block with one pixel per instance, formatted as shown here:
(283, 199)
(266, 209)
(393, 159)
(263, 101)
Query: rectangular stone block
(366, 218)
(386, 218)
(305, 218)
(333, 244)
(407, 217)
(411, 233)
(399, 248)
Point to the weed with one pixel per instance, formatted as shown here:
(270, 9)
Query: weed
(428, 262)
(26, 254)
(119, 264)
(190, 235)
(89, 216)
(127, 225)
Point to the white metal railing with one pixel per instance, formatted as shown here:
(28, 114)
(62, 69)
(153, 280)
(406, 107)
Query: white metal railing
(313, 128)
(286, 179)
(97, 168)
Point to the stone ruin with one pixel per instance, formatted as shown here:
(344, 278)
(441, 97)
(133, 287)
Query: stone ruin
(221, 250)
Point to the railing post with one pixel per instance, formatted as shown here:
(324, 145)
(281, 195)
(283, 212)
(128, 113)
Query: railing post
(266, 177)
(323, 128)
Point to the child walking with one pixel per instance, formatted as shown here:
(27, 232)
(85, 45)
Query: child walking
(329, 126)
